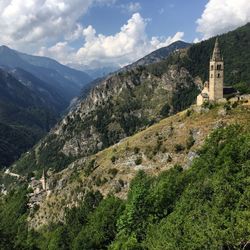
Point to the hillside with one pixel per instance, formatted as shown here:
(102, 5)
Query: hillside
(185, 176)
(158, 55)
(26, 114)
(234, 47)
(118, 107)
(34, 92)
(173, 141)
(129, 101)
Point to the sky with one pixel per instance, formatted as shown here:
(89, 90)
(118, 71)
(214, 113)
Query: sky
(112, 33)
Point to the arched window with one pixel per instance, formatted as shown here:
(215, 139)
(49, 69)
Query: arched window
(212, 76)
(219, 75)
(212, 67)
(219, 67)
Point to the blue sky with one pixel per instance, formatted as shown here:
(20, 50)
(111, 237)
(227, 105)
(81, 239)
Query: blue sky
(166, 17)
(97, 33)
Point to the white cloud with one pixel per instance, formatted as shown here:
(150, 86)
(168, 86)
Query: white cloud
(126, 46)
(37, 22)
(221, 16)
(132, 7)
(157, 42)
(51, 28)
(196, 40)
(60, 51)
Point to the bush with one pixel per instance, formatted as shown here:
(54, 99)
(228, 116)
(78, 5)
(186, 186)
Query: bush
(136, 150)
(190, 141)
(113, 159)
(138, 161)
(179, 148)
(90, 166)
(113, 171)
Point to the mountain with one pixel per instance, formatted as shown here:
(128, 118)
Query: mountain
(66, 81)
(158, 55)
(236, 56)
(131, 100)
(45, 91)
(27, 111)
(34, 91)
(97, 72)
(186, 176)
(125, 169)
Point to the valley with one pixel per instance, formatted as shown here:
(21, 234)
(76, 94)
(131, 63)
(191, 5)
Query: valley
(129, 160)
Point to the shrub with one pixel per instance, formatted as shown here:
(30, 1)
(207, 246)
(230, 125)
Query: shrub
(136, 150)
(138, 160)
(113, 159)
(189, 112)
(190, 141)
(89, 168)
(179, 148)
(113, 172)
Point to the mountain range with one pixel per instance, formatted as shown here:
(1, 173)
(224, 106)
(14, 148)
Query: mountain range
(134, 164)
(128, 101)
(35, 91)
(66, 81)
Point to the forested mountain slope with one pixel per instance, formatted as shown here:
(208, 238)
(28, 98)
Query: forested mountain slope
(234, 47)
(25, 116)
(186, 194)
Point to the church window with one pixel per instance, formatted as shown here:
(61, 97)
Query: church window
(212, 67)
(219, 67)
(212, 76)
(218, 75)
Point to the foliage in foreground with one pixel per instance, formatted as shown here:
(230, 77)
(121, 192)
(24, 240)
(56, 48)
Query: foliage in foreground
(204, 207)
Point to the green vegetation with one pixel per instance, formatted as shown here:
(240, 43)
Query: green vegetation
(144, 100)
(49, 157)
(25, 117)
(235, 50)
(204, 207)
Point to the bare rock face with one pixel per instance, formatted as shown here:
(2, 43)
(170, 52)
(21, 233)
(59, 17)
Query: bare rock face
(119, 106)
(102, 116)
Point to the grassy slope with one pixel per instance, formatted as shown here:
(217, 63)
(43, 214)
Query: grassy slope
(111, 170)
(151, 98)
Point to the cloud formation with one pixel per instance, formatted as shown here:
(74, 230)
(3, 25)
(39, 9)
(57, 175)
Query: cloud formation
(131, 7)
(222, 16)
(51, 28)
(35, 22)
(126, 46)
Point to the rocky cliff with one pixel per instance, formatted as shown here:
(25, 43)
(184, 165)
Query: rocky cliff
(173, 141)
(121, 105)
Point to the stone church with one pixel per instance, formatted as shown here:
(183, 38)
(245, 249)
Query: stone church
(213, 90)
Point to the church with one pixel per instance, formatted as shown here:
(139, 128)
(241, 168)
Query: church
(214, 90)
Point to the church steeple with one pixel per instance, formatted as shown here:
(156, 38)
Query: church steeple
(43, 180)
(214, 91)
(216, 53)
(216, 74)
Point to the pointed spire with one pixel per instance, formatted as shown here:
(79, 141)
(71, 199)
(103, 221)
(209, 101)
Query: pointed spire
(43, 180)
(216, 53)
(43, 176)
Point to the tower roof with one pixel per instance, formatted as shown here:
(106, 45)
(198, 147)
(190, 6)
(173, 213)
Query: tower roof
(216, 53)
(44, 174)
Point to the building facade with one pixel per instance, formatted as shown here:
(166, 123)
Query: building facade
(213, 90)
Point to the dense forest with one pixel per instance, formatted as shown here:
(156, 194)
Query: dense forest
(204, 207)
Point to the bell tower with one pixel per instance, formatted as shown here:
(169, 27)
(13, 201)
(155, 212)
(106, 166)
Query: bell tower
(43, 181)
(216, 74)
